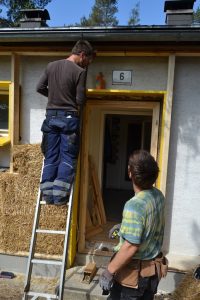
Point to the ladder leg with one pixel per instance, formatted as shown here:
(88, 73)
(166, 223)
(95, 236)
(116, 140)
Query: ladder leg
(32, 245)
(66, 245)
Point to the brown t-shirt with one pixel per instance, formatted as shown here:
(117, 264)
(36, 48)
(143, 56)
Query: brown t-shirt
(63, 82)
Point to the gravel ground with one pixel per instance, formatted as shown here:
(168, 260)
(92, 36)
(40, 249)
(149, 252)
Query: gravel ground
(12, 289)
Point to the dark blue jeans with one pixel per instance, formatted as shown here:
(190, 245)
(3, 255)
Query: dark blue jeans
(147, 288)
(60, 146)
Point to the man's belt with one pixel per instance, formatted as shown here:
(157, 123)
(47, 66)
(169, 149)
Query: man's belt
(61, 112)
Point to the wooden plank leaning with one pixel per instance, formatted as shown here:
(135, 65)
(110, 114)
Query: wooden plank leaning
(97, 190)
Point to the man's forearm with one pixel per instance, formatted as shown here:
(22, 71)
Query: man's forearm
(123, 256)
(43, 90)
(42, 86)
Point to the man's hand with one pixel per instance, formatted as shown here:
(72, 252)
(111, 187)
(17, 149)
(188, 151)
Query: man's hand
(106, 280)
(113, 233)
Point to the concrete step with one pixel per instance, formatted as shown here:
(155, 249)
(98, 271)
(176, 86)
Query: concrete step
(76, 289)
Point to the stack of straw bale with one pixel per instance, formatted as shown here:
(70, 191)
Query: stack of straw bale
(18, 194)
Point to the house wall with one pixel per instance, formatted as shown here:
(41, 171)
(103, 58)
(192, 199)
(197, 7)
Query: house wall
(32, 104)
(5, 67)
(183, 187)
(149, 73)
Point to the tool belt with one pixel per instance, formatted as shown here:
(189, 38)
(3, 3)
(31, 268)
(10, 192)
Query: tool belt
(129, 274)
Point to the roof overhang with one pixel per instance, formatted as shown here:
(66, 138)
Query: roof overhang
(114, 38)
(101, 34)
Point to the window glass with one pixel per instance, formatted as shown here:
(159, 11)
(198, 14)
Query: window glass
(4, 113)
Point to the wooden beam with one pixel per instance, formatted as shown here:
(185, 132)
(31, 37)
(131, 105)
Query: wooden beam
(62, 51)
(14, 104)
(166, 125)
(154, 131)
(83, 181)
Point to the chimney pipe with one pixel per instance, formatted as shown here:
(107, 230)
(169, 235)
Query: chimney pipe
(34, 18)
(179, 12)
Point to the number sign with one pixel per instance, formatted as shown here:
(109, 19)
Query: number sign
(122, 77)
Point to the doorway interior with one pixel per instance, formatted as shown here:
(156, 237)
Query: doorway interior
(123, 134)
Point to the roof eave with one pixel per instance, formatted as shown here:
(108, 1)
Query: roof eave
(104, 34)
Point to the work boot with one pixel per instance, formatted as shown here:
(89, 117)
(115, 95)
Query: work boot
(47, 200)
(63, 201)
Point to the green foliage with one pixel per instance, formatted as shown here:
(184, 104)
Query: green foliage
(13, 9)
(135, 15)
(102, 14)
(197, 15)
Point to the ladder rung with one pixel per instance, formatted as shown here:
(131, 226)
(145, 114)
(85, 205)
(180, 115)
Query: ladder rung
(46, 262)
(50, 231)
(42, 202)
(44, 295)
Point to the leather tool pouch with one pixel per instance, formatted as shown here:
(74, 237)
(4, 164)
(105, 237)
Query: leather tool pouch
(148, 268)
(161, 266)
(128, 275)
(164, 266)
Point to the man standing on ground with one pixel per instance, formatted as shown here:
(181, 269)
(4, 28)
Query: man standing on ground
(63, 82)
(135, 270)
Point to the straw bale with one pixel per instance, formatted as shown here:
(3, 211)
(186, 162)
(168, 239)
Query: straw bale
(18, 194)
(189, 289)
(27, 159)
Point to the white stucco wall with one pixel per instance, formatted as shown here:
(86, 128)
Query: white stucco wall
(5, 67)
(149, 73)
(5, 156)
(32, 104)
(183, 181)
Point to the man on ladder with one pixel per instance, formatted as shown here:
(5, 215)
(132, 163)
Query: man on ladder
(63, 82)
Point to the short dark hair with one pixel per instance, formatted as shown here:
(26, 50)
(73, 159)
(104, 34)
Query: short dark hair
(83, 46)
(144, 169)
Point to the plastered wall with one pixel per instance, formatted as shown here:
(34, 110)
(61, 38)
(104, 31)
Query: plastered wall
(183, 181)
(32, 104)
(148, 74)
(5, 68)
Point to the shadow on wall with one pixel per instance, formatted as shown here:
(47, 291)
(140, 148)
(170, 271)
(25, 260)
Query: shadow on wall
(185, 137)
(189, 136)
(196, 234)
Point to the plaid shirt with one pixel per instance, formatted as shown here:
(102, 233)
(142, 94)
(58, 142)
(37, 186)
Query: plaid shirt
(143, 223)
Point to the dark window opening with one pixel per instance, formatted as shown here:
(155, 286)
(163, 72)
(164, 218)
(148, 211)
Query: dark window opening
(4, 112)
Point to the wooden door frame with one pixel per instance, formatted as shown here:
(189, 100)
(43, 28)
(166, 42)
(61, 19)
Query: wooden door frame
(152, 108)
(119, 106)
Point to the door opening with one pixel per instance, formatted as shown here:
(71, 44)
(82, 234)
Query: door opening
(122, 135)
(112, 130)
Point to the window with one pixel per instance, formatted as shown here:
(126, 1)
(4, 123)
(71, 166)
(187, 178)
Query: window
(4, 113)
